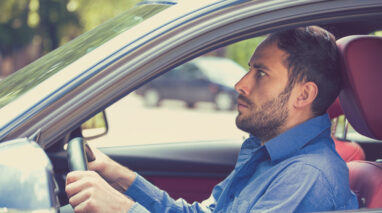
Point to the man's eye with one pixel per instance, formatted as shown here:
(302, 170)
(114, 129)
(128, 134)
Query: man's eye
(260, 74)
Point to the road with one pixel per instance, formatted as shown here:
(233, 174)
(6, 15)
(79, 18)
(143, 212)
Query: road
(130, 122)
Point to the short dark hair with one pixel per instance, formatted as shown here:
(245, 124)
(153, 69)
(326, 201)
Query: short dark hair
(312, 56)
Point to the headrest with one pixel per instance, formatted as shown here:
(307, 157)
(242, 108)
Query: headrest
(361, 95)
(335, 109)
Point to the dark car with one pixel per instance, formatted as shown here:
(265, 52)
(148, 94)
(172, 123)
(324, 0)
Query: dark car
(43, 106)
(197, 81)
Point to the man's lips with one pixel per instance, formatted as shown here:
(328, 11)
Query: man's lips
(242, 103)
(242, 100)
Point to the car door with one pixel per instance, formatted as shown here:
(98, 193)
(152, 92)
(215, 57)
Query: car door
(184, 170)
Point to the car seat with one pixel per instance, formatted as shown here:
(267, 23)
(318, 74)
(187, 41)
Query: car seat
(361, 102)
(348, 150)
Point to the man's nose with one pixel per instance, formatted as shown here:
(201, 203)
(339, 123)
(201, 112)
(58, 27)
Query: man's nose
(241, 87)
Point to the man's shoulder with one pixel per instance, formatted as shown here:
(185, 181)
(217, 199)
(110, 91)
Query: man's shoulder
(322, 156)
(323, 161)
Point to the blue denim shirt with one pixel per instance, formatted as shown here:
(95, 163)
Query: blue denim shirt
(297, 171)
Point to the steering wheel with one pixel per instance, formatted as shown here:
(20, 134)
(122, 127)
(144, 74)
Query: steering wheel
(79, 154)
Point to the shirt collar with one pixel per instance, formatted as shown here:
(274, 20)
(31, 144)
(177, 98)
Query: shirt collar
(251, 143)
(295, 138)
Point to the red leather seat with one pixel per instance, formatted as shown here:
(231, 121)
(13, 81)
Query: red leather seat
(335, 109)
(368, 189)
(348, 150)
(361, 102)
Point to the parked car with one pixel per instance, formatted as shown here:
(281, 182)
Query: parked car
(43, 106)
(197, 81)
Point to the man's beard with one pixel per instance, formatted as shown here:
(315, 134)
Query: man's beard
(265, 121)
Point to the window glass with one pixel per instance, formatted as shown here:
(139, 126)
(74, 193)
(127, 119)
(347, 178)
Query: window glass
(189, 71)
(176, 107)
(377, 33)
(179, 107)
(345, 131)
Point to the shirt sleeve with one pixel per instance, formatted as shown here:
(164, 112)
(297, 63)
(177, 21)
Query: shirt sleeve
(296, 193)
(137, 208)
(155, 200)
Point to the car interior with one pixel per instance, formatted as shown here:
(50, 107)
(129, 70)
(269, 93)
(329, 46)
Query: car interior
(188, 177)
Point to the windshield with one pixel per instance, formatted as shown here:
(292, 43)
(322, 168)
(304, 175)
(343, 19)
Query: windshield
(30, 76)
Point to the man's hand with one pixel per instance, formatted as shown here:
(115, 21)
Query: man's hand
(115, 174)
(88, 192)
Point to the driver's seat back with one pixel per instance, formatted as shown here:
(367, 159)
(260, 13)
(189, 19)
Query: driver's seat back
(361, 102)
(366, 182)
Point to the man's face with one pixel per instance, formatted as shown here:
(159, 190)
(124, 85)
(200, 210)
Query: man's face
(263, 93)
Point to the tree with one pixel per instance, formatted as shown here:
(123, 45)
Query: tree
(32, 28)
(15, 33)
(242, 51)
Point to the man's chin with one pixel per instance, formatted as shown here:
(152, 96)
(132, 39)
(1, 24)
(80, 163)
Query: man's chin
(240, 123)
(239, 118)
(240, 115)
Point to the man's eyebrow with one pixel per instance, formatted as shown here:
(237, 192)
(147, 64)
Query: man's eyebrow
(259, 66)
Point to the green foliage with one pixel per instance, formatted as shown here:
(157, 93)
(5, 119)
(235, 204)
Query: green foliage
(90, 10)
(378, 33)
(241, 52)
(14, 30)
(95, 122)
(55, 22)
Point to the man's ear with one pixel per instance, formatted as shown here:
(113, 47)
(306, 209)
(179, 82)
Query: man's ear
(307, 93)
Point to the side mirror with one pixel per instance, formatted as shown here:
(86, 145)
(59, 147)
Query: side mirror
(26, 180)
(95, 127)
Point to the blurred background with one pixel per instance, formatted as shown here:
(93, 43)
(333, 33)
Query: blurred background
(31, 28)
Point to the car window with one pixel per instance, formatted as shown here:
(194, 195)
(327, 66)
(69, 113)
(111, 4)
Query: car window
(185, 111)
(344, 131)
(190, 72)
(210, 65)
(181, 113)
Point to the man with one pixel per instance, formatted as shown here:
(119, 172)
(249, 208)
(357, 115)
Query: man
(288, 164)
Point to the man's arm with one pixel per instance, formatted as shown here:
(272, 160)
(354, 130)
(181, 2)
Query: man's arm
(121, 180)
